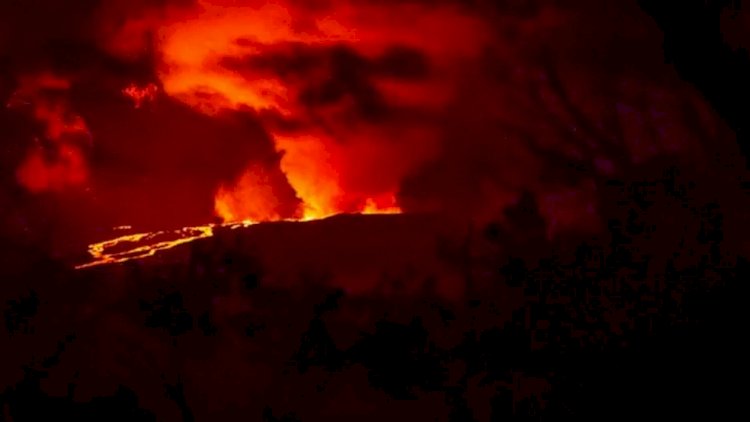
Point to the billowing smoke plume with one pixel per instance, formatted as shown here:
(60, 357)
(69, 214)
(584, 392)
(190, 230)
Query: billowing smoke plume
(348, 91)
(257, 110)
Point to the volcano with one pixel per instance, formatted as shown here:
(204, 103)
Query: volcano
(309, 210)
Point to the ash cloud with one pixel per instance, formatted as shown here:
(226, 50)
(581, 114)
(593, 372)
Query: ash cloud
(446, 106)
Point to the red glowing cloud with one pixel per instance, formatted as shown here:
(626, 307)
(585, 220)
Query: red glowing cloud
(56, 161)
(302, 109)
(331, 78)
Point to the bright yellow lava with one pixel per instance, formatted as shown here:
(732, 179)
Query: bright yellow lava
(142, 245)
(147, 244)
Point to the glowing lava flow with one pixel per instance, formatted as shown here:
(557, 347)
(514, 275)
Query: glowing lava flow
(142, 245)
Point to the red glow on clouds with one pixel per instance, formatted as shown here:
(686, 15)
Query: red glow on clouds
(336, 161)
(296, 109)
(56, 161)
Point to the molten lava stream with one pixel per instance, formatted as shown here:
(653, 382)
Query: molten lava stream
(143, 245)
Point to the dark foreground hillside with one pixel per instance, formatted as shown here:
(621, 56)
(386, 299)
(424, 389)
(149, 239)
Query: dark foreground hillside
(393, 317)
